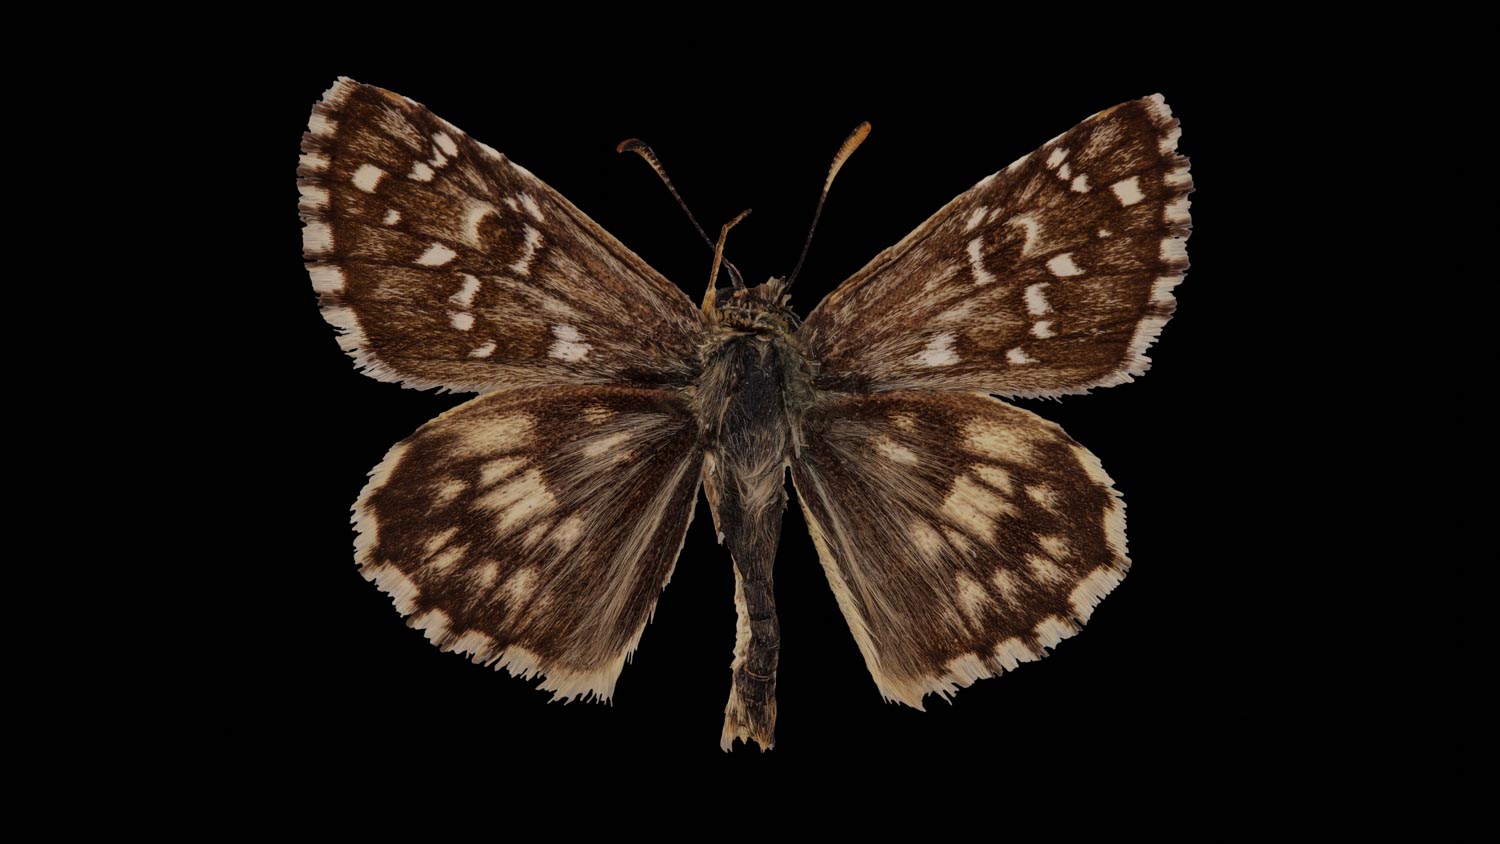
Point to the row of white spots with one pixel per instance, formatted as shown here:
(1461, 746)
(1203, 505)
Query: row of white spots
(569, 345)
(981, 275)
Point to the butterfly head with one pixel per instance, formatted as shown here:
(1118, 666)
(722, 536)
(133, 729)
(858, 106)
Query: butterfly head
(761, 309)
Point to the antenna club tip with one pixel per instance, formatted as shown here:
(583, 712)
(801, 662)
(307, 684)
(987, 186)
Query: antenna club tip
(628, 145)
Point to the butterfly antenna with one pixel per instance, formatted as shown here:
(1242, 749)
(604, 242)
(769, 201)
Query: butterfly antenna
(713, 276)
(642, 149)
(851, 144)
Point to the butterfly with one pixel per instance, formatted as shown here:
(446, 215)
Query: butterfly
(533, 527)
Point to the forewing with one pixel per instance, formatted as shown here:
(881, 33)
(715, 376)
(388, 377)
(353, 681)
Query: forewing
(961, 535)
(533, 529)
(446, 265)
(1050, 277)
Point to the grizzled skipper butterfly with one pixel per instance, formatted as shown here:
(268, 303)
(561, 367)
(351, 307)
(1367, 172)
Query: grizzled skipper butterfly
(533, 527)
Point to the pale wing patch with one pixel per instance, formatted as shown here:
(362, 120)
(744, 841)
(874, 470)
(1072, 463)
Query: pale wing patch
(503, 532)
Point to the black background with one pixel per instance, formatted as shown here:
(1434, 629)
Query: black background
(1160, 671)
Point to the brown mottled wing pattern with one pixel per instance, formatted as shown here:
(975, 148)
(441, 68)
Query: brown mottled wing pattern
(533, 529)
(446, 265)
(1050, 277)
(961, 535)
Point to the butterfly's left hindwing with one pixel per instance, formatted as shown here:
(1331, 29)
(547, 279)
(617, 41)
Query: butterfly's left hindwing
(961, 535)
(533, 529)
(447, 265)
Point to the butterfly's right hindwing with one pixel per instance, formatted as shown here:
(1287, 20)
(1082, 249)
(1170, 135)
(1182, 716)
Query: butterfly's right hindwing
(446, 265)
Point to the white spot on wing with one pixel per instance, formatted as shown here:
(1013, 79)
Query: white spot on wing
(972, 598)
(320, 125)
(895, 451)
(317, 238)
(1128, 190)
(1031, 227)
(483, 351)
(531, 207)
(446, 142)
(465, 295)
(607, 445)
(975, 218)
(1018, 356)
(1036, 299)
(326, 278)
(981, 275)
(1062, 265)
(533, 239)
(1042, 329)
(461, 320)
(1056, 157)
(1080, 183)
(1161, 289)
(313, 196)
(420, 172)
(392, 217)
(367, 177)
(974, 507)
(939, 351)
(1091, 590)
(475, 215)
(499, 469)
(1177, 210)
(436, 255)
(569, 345)
(522, 498)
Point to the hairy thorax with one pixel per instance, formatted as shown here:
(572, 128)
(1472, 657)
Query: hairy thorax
(755, 381)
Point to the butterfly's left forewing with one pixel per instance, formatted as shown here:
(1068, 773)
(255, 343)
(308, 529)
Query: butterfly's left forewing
(448, 265)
